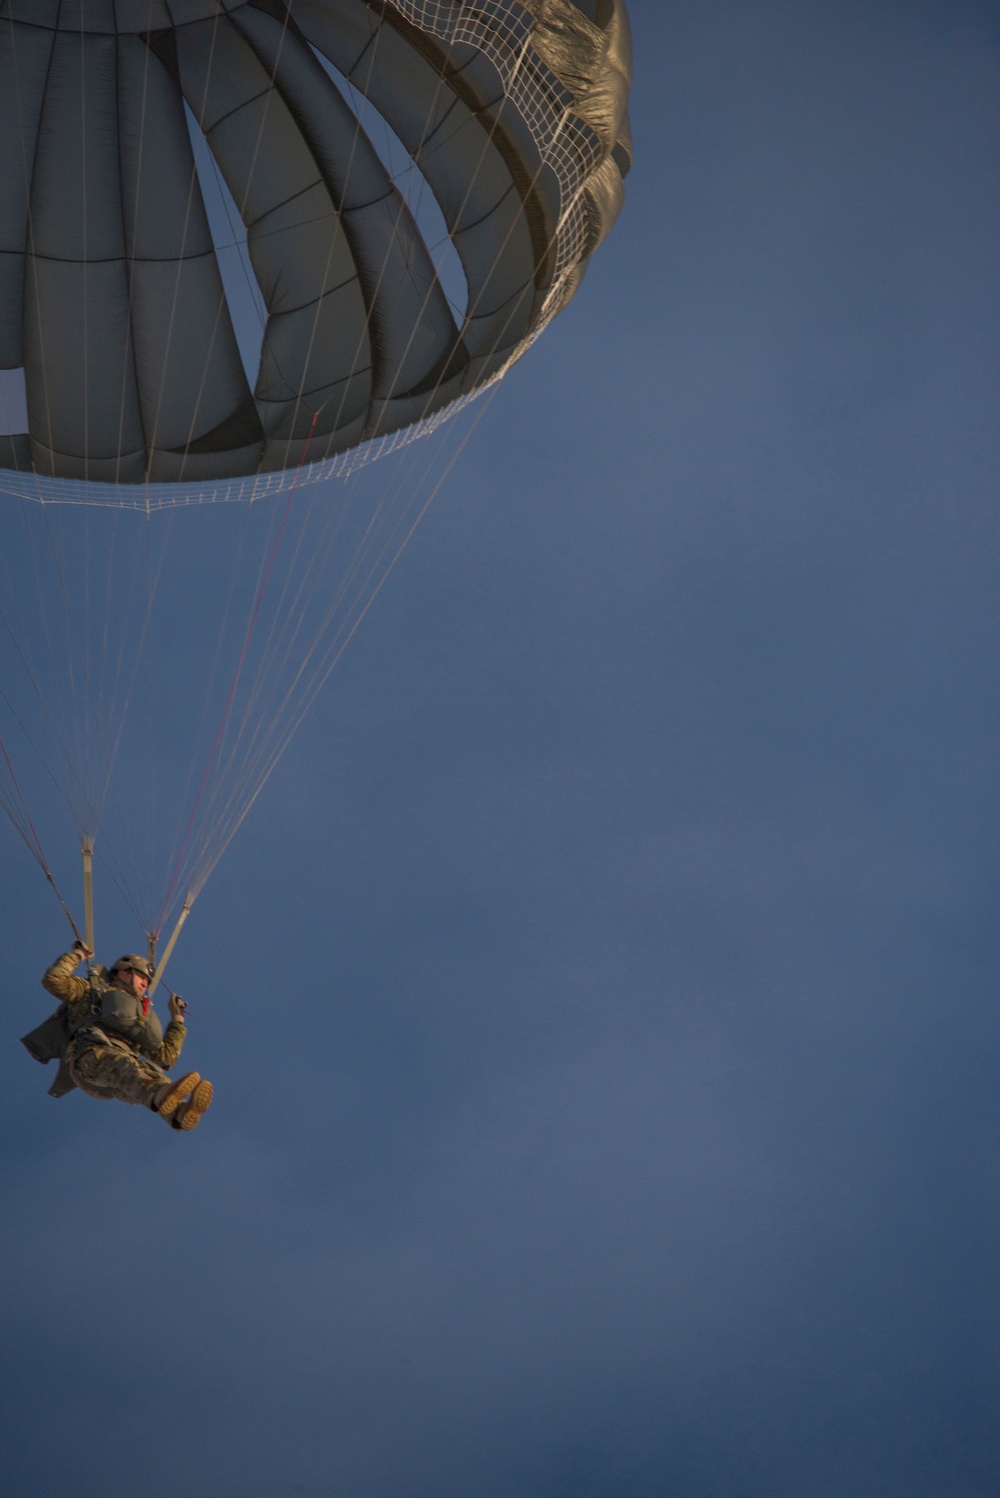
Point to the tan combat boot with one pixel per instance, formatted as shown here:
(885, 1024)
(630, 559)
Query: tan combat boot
(188, 1115)
(169, 1097)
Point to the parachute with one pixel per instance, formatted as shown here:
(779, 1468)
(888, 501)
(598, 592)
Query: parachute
(246, 248)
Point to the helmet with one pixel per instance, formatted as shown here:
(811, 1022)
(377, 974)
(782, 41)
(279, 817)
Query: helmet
(138, 964)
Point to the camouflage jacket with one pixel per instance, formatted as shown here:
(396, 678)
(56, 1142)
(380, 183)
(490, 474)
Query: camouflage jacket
(76, 993)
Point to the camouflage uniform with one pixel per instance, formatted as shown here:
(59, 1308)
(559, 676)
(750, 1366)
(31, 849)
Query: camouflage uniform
(107, 1067)
(102, 1063)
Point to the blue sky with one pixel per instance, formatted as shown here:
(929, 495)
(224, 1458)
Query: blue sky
(601, 1000)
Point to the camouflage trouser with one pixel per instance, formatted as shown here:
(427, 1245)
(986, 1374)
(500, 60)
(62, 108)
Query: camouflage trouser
(106, 1071)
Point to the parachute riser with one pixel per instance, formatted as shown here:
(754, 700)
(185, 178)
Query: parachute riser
(87, 854)
(158, 972)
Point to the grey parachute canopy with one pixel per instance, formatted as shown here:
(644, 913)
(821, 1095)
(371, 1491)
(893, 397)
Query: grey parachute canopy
(112, 301)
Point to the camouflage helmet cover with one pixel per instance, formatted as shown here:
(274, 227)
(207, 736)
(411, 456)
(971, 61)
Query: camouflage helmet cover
(137, 964)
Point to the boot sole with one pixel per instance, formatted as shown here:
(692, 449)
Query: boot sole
(178, 1092)
(199, 1102)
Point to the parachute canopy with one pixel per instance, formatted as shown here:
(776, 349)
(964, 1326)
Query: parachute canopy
(140, 140)
(246, 245)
